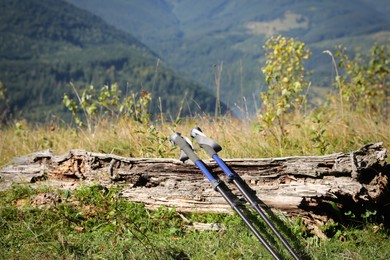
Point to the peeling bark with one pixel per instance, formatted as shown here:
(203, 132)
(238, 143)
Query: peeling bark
(310, 186)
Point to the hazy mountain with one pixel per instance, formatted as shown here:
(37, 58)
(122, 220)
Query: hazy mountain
(45, 44)
(193, 35)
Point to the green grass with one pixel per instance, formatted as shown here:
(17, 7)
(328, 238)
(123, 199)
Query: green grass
(94, 223)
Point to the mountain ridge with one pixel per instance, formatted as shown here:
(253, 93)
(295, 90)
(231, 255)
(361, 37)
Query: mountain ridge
(46, 44)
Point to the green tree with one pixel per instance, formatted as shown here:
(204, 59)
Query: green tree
(285, 76)
(365, 87)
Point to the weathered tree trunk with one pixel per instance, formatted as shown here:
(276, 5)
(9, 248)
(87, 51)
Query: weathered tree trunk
(310, 186)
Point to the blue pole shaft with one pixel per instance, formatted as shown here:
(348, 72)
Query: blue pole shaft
(252, 201)
(221, 189)
(214, 181)
(223, 166)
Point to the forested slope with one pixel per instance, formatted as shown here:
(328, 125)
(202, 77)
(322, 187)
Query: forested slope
(46, 44)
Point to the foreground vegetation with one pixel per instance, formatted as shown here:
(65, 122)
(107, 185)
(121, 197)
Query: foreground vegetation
(318, 134)
(94, 222)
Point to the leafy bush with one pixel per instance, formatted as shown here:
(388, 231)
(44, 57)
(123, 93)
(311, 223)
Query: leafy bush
(285, 75)
(365, 87)
(108, 102)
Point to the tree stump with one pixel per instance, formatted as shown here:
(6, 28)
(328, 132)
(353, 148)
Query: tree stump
(314, 187)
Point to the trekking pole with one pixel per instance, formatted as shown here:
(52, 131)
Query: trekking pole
(212, 148)
(188, 153)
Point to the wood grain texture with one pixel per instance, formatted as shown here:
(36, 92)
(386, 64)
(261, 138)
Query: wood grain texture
(306, 185)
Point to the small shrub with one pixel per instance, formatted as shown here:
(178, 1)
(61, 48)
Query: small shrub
(365, 87)
(107, 103)
(285, 76)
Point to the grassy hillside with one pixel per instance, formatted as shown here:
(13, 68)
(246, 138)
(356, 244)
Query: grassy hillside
(192, 37)
(44, 45)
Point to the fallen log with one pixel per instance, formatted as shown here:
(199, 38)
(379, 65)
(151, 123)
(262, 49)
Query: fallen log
(314, 187)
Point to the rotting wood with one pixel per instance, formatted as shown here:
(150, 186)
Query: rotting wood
(306, 185)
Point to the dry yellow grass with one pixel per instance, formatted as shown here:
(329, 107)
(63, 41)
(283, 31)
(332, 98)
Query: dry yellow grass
(239, 139)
